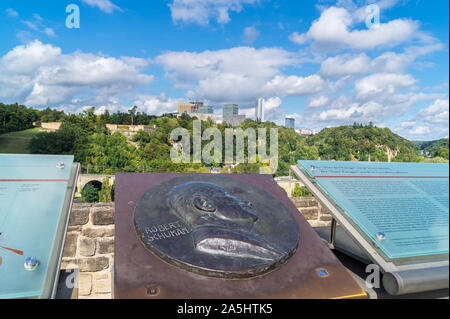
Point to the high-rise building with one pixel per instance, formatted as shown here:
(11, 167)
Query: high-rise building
(206, 110)
(230, 110)
(259, 110)
(190, 107)
(290, 123)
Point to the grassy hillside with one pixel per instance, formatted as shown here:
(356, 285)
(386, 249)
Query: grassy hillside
(17, 142)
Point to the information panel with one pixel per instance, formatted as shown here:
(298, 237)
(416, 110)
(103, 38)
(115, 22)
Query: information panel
(32, 196)
(402, 207)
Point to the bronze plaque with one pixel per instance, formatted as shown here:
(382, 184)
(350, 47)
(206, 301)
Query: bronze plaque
(216, 226)
(218, 236)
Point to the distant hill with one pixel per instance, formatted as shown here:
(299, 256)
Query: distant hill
(432, 147)
(356, 142)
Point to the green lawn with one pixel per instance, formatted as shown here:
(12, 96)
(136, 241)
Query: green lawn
(17, 142)
(14, 145)
(24, 134)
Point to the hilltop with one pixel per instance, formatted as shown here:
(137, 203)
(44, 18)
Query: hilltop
(355, 143)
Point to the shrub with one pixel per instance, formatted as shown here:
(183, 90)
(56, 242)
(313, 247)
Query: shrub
(300, 191)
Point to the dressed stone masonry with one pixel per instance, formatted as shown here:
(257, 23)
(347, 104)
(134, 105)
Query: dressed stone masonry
(89, 248)
(89, 243)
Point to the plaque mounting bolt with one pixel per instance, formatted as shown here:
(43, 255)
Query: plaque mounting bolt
(381, 236)
(60, 165)
(31, 263)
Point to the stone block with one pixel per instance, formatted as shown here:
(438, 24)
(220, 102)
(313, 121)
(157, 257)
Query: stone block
(93, 264)
(79, 216)
(105, 246)
(103, 215)
(68, 263)
(87, 247)
(70, 246)
(98, 231)
(102, 286)
(85, 285)
(304, 202)
(326, 218)
(309, 213)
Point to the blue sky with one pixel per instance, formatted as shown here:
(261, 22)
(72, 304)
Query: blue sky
(319, 62)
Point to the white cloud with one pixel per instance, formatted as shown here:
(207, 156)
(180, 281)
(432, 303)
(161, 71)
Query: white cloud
(382, 83)
(430, 123)
(38, 24)
(50, 32)
(346, 64)
(42, 75)
(272, 103)
(104, 5)
(157, 105)
(12, 13)
(388, 62)
(295, 85)
(201, 12)
(319, 101)
(332, 31)
(238, 75)
(408, 124)
(419, 131)
(250, 34)
(436, 113)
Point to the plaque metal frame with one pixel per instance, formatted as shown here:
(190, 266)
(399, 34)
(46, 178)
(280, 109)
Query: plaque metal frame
(401, 275)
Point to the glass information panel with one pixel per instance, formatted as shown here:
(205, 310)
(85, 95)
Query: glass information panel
(32, 193)
(402, 207)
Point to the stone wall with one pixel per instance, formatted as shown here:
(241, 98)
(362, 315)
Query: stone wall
(89, 243)
(89, 248)
(313, 211)
(52, 126)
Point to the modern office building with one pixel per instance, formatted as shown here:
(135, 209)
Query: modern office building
(290, 123)
(230, 110)
(190, 107)
(259, 110)
(206, 110)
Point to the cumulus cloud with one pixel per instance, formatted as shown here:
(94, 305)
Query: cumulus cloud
(42, 75)
(104, 5)
(295, 85)
(436, 113)
(250, 34)
(239, 74)
(319, 101)
(201, 12)
(333, 31)
(158, 105)
(382, 83)
(429, 123)
(388, 62)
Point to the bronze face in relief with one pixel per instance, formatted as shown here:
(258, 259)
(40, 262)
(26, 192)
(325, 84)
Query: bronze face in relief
(216, 226)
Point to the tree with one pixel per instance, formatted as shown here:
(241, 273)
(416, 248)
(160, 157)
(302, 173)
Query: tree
(443, 152)
(105, 194)
(90, 194)
(132, 113)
